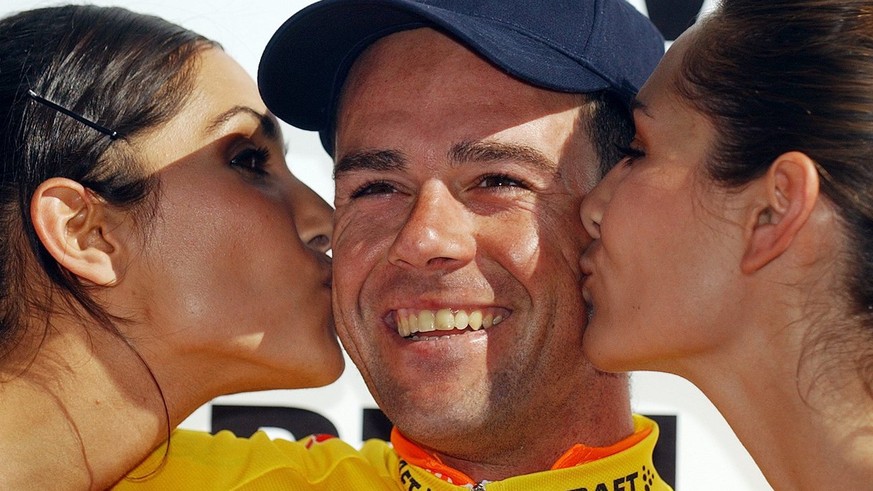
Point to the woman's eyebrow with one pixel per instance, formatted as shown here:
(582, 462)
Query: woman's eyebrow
(637, 105)
(266, 121)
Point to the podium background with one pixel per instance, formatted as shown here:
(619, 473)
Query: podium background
(696, 440)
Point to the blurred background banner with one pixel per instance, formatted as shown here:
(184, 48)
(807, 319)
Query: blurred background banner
(698, 451)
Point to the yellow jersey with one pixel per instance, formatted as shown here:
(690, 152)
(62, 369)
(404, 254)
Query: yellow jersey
(200, 461)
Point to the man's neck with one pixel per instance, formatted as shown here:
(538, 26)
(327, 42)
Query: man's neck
(537, 442)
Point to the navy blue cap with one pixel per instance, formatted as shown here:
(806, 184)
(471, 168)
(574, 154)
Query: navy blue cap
(576, 46)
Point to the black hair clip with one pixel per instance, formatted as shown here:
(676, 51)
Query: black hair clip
(112, 134)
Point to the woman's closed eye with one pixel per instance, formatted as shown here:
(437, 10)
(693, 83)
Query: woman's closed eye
(630, 154)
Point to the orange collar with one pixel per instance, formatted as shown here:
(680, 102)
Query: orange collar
(577, 455)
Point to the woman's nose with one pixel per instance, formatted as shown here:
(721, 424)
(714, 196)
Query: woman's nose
(313, 218)
(594, 204)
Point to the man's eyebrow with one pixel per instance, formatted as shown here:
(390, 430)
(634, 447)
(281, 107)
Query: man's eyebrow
(374, 160)
(265, 121)
(491, 151)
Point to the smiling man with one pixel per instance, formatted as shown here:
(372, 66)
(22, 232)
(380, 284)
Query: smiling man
(465, 135)
(467, 174)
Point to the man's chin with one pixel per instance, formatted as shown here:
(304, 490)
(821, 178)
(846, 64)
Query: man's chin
(434, 409)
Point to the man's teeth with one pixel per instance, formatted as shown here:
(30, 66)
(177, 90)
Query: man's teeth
(410, 321)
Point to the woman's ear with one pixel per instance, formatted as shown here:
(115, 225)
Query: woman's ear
(75, 228)
(785, 198)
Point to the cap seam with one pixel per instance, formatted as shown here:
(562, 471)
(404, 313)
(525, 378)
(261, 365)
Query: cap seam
(561, 48)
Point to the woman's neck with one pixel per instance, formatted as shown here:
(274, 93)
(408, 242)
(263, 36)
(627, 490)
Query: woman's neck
(807, 426)
(78, 412)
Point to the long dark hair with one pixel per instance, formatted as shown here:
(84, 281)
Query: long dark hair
(123, 70)
(782, 75)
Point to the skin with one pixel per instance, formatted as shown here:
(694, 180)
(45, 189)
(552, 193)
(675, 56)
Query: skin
(226, 289)
(427, 226)
(715, 285)
(644, 207)
(261, 235)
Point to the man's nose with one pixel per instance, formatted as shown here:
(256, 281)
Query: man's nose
(438, 232)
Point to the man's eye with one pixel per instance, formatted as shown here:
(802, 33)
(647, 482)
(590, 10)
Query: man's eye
(500, 181)
(374, 188)
(252, 160)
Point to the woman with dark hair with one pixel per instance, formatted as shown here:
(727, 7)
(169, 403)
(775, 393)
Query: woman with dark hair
(734, 244)
(156, 251)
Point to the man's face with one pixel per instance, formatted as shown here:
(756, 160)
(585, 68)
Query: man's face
(457, 197)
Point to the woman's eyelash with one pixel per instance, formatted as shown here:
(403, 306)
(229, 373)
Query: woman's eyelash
(629, 154)
(253, 159)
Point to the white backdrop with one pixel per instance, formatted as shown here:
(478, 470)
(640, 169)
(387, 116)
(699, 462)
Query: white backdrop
(709, 457)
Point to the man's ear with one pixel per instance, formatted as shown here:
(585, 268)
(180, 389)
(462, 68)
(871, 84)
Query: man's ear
(785, 197)
(73, 226)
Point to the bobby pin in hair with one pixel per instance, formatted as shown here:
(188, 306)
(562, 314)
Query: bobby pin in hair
(112, 134)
